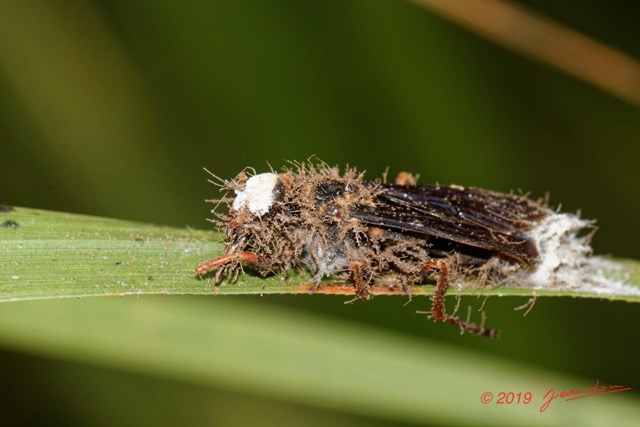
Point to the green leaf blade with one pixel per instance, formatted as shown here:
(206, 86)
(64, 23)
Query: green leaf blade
(62, 255)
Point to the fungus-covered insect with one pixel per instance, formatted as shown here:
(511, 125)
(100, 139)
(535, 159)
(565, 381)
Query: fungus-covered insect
(400, 234)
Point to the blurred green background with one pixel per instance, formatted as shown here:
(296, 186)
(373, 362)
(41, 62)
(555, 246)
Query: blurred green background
(113, 108)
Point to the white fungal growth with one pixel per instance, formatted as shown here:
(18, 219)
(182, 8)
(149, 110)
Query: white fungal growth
(258, 194)
(566, 262)
(562, 252)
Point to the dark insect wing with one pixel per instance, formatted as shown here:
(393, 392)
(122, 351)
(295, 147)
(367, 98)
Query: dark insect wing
(478, 218)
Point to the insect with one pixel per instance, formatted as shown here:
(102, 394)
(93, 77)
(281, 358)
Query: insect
(365, 232)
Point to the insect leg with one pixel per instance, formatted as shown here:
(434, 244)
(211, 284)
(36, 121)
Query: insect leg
(361, 284)
(437, 301)
(221, 262)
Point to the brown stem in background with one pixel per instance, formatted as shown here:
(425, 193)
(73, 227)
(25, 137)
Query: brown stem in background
(541, 38)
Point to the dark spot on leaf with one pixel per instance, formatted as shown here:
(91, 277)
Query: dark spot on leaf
(6, 208)
(118, 262)
(10, 224)
(138, 239)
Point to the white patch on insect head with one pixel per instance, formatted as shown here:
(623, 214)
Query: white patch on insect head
(257, 195)
(566, 262)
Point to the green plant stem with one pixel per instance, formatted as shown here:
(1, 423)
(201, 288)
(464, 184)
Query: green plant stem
(46, 254)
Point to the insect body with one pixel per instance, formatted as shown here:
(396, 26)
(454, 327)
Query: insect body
(365, 232)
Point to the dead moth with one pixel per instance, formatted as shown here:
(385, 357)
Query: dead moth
(341, 226)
